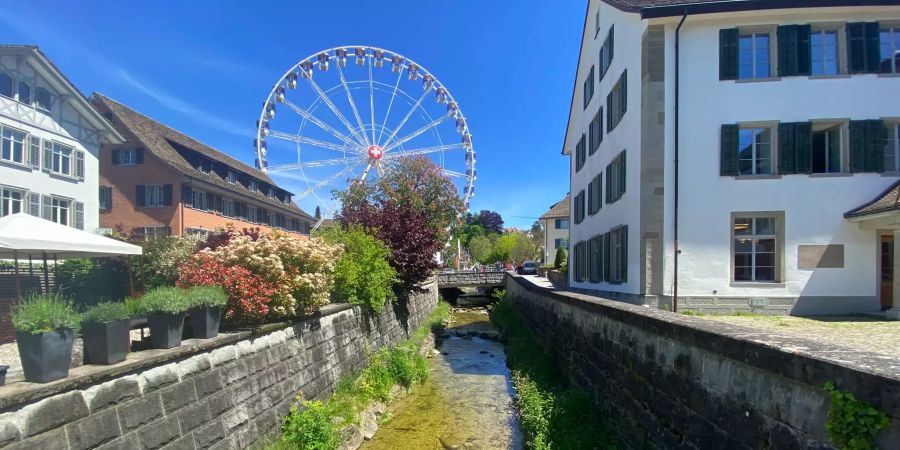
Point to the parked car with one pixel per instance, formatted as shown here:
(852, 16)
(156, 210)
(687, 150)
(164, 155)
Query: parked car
(529, 268)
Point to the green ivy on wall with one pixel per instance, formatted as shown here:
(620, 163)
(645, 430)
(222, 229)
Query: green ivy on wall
(853, 424)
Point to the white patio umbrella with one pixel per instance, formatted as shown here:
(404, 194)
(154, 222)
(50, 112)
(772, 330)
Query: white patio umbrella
(24, 235)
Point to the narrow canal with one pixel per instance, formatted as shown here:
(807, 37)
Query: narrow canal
(467, 402)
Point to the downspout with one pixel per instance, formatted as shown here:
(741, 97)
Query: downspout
(677, 114)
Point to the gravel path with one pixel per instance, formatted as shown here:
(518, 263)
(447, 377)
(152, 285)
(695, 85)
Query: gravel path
(9, 356)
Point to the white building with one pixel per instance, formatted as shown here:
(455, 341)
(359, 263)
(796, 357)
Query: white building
(749, 128)
(50, 140)
(556, 229)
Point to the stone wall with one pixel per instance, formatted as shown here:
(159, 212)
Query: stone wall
(225, 397)
(471, 279)
(665, 380)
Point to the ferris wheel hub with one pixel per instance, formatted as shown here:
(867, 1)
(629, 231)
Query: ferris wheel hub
(375, 152)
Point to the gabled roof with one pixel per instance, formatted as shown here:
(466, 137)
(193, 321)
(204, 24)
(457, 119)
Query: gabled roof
(667, 8)
(162, 142)
(60, 83)
(887, 201)
(559, 210)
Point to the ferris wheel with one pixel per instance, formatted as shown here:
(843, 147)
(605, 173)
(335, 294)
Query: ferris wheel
(347, 114)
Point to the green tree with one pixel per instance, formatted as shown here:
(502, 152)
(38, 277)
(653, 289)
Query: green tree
(480, 248)
(561, 258)
(502, 250)
(523, 248)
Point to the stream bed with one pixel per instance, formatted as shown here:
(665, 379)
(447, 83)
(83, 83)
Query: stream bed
(466, 403)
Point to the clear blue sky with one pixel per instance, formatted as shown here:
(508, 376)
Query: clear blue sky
(205, 70)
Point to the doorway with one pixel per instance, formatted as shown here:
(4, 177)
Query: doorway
(886, 277)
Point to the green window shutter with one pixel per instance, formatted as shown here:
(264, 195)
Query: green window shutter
(787, 50)
(787, 154)
(115, 157)
(187, 196)
(608, 183)
(590, 195)
(728, 151)
(605, 256)
(609, 112)
(857, 146)
(875, 138)
(46, 207)
(873, 47)
(623, 104)
(34, 204)
(48, 155)
(167, 195)
(804, 51)
(803, 146)
(728, 54)
(79, 215)
(622, 172)
(140, 195)
(139, 156)
(623, 262)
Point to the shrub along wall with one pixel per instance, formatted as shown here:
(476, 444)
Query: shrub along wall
(225, 397)
(664, 380)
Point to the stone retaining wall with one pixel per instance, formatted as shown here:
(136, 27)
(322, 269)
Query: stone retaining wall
(471, 279)
(665, 380)
(224, 398)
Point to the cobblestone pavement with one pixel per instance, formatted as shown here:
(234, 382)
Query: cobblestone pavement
(863, 333)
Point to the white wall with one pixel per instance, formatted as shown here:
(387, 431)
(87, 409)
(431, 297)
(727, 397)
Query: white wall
(629, 30)
(62, 124)
(551, 234)
(813, 207)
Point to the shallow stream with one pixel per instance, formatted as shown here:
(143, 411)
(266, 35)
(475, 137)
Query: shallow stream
(467, 402)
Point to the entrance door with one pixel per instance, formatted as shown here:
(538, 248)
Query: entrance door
(887, 271)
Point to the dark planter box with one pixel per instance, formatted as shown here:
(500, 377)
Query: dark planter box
(45, 356)
(3, 370)
(106, 342)
(165, 329)
(205, 321)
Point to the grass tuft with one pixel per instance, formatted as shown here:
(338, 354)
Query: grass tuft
(44, 312)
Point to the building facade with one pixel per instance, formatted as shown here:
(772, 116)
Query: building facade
(556, 229)
(50, 142)
(717, 147)
(162, 182)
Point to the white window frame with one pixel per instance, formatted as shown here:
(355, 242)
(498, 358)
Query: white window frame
(7, 200)
(11, 141)
(201, 233)
(30, 98)
(753, 33)
(840, 46)
(39, 105)
(231, 177)
(128, 157)
(754, 158)
(893, 47)
(228, 207)
(842, 138)
(62, 207)
(558, 222)
(778, 245)
(58, 156)
(154, 195)
(199, 200)
(252, 214)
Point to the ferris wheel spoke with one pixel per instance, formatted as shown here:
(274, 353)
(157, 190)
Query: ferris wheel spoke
(372, 100)
(390, 104)
(422, 151)
(326, 181)
(319, 123)
(406, 118)
(320, 163)
(362, 128)
(366, 172)
(314, 142)
(412, 135)
(451, 173)
(334, 109)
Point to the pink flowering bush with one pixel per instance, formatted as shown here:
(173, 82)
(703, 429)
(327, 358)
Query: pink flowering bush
(249, 295)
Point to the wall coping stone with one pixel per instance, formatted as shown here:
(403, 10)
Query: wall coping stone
(772, 352)
(13, 395)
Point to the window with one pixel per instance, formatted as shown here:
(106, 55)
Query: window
(561, 224)
(606, 52)
(755, 151)
(128, 157)
(24, 93)
(61, 158)
(150, 233)
(892, 148)
(579, 207)
(890, 49)
(228, 207)
(105, 198)
(154, 195)
(205, 165)
(12, 201)
(200, 200)
(824, 46)
(60, 210)
(617, 102)
(595, 201)
(756, 248)
(12, 145)
(618, 255)
(580, 261)
(615, 178)
(589, 87)
(826, 150)
(42, 98)
(754, 56)
(596, 23)
(201, 233)
(561, 243)
(596, 131)
(253, 214)
(252, 186)
(6, 85)
(231, 177)
(580, 155)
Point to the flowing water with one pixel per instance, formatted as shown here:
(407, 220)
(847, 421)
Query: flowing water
(467, 401)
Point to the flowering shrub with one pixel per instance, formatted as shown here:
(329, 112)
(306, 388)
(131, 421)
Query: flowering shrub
(249, 295)
(363, 276)
(162, 256)
(299, 271)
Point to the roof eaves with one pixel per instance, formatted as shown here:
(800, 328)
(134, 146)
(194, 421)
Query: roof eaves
(587, 11)
(860, 210)
(725, 6)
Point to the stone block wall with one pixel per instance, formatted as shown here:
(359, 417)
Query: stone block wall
(665, 380)
(224, 398)
(471, 279)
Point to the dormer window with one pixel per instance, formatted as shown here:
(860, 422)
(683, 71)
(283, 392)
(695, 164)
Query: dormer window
(252, 186)
(24, 93)
(231, 177)
(272, 193)
(6, 85)
(42, 99)
(205, 166)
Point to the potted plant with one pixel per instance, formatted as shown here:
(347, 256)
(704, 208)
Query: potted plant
(106, 330)
(206, 304)
(165, 307)
(45, 333)
(3, 370)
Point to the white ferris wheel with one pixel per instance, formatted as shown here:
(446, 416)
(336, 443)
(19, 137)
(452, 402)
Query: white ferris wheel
(347, 114)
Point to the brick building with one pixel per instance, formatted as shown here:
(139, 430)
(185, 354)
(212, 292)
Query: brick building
(162, 182)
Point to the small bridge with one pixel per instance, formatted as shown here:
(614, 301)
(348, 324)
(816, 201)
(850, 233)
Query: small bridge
(471, 279)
